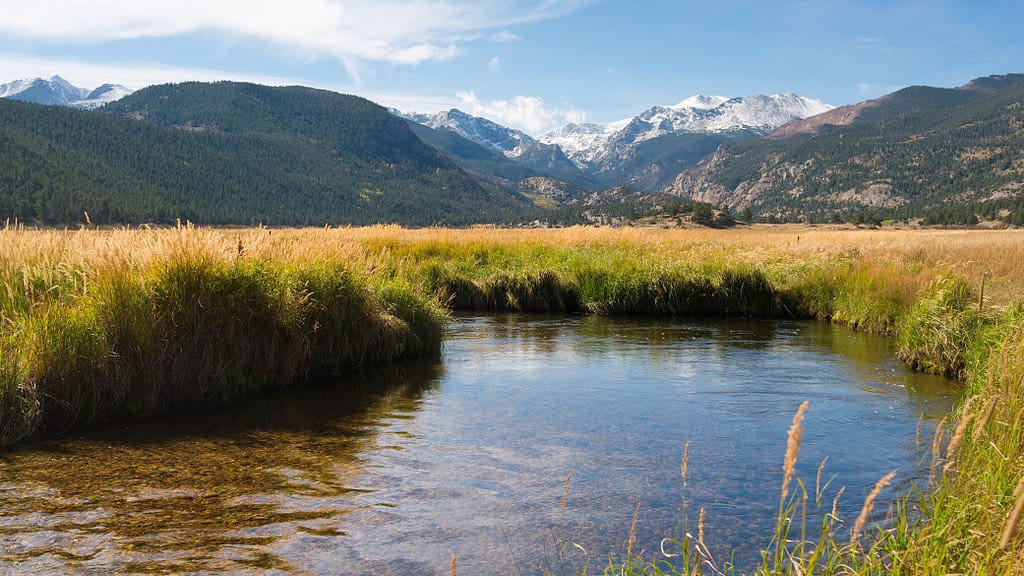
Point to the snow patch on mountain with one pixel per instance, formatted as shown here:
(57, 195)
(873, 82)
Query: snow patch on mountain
(586, 144)
(102, 95)
(702, 102)
(57, 91)
(509, 141)
(583, 142)
(15, 87)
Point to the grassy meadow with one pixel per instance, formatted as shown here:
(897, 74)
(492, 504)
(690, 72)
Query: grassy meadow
(103, 325)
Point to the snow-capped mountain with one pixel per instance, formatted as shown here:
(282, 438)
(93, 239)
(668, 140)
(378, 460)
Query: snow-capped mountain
(533, 158)
(583, 143)
(100, 96)
(632, 150)
(587, 144)
(508, 141)
(57, 91)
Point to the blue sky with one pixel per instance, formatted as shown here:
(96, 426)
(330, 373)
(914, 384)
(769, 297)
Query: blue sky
(533, 64)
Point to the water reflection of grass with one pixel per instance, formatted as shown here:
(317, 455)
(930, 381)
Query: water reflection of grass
(211, 490)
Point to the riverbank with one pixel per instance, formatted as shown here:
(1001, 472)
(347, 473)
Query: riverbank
(102, 325)
(107, 327)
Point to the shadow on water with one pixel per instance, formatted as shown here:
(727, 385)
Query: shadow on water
(210, 490)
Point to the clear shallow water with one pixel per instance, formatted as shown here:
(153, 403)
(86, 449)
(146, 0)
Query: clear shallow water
(469, 456)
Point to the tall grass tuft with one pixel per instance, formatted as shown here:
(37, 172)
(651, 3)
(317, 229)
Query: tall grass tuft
(19, 403)
(935, 334)
(869, 505)
(193, 327)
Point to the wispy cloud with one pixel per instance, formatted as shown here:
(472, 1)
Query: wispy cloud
(527, 113)
(402, 32)
(871, 42)
(493, 64)
(504, 36)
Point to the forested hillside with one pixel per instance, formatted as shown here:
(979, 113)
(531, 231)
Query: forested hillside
(946, 154)
(231, 153)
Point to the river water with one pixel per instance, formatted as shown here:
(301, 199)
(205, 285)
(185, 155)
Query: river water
(397, 471)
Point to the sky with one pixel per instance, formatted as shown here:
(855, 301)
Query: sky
(531, 64)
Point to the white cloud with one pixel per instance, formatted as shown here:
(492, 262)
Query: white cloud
(420, 104)
(527, 113)
(132, 75)
(504, 36)
(398, 31)
(493, 64)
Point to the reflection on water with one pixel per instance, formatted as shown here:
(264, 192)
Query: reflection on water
(469, 457)
(199, 492)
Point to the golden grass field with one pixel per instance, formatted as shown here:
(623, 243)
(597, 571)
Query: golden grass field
(997, 255)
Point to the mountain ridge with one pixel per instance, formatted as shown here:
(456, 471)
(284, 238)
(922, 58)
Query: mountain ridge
(700, 113)
(951, 153)
(56, 91)
(646, 150)
(232, 153)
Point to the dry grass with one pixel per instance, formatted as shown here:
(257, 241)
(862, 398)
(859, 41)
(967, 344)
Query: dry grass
(966, 253)
(869, 505)
(796, 431)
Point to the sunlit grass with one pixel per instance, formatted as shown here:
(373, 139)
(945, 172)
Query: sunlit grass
(137, 322)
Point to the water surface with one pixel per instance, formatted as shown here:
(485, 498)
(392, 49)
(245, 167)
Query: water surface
(468, 455)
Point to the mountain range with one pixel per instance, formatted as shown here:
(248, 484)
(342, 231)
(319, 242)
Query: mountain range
(645, 151)
(949, 154)
(59, 92)
(236, 153)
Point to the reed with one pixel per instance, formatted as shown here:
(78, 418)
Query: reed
(958, 435)
(796, 430)
(1013, 520)
(684, 466)
(869, 505)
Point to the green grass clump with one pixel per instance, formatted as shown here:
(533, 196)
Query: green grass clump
(199, 331)
(872, 298)
(677, 291)
(543, 291)
(19, 403)
(936, 332)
